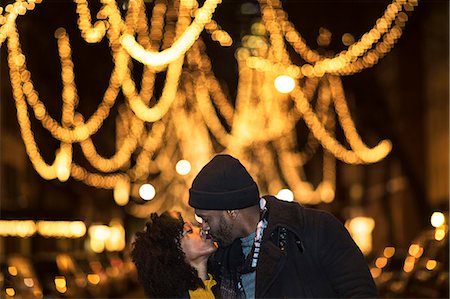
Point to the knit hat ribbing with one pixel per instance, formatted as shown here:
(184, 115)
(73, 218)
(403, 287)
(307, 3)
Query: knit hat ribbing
(223, 184)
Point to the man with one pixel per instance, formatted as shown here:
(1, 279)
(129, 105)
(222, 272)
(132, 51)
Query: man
(274, 249)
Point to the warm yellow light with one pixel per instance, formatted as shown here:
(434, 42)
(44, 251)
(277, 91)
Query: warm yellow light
(122, 192)
(61, 229)
(285, 194)
(389, 252)
(29, 282)
(409, 264)
(12, 270)
(60, 284)
(37, 293)
(381, 262)
(439, 233)
(414, 249)
(10, 292)
(183, 167)
(77, 229)
(147, 192)
(431, 264)
(326, 191)
(348, 39)
(18, 228)
(98, 234)
(437, 219)
(62, 163)
(93, 279)
(116, 239)
(376, 272)
(284, 84)
(360, 229)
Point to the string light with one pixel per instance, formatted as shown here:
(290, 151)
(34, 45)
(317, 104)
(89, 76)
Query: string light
(180, 46)
(155, 132)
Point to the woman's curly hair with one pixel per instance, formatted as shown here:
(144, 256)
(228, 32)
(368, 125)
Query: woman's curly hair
(160, 261)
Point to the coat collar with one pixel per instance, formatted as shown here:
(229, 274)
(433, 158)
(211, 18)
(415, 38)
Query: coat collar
(272, 258)
(285, 214)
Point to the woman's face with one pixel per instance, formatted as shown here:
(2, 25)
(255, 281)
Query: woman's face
(194, 244)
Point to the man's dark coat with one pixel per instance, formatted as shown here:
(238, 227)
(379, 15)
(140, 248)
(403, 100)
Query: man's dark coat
(307, 253)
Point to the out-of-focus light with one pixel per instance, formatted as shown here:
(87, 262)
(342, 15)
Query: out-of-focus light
(409, 264)
(431, 264)
(437, 219)
(122, 192)
(360, 229)
(389, 252)
(147, 192)
(381, 262)
(284, 84)
(116, 240)
(414, 249)
(326, 192)
(37, 293)
(77, 228)
(17, 228)
(62, 164)
(60, 284)
(29, 282)
(285, 194)
(183, 167)
(376, 272)
(348, 39)
(356, 191)
(93, 279)
(12, 270)
(10, 292)
(324, 37)
(99, 232)
(61, 229)
(439, 234)
(98, 235)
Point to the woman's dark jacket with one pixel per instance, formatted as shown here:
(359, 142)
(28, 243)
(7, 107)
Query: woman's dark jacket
(305, 253)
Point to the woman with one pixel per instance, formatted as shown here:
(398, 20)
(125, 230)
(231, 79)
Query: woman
(171, 258)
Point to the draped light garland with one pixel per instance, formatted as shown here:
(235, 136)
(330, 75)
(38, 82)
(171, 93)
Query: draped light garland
(194, 118)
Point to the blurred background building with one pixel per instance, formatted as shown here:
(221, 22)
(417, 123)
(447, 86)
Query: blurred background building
(110, 108)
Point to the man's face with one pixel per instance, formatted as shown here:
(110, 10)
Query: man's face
(219, 225)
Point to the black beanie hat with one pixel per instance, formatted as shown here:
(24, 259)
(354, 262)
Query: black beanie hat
(223, 184)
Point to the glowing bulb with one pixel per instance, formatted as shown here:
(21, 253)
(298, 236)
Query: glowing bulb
(437, 219)
(12, 270)
(431, 264)
(183, 167)
(62, 163)
(389, 252)
(284, 84)
(10, 292)
(147, 192)
(122, 192)
(285, 194)
(28, 282)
